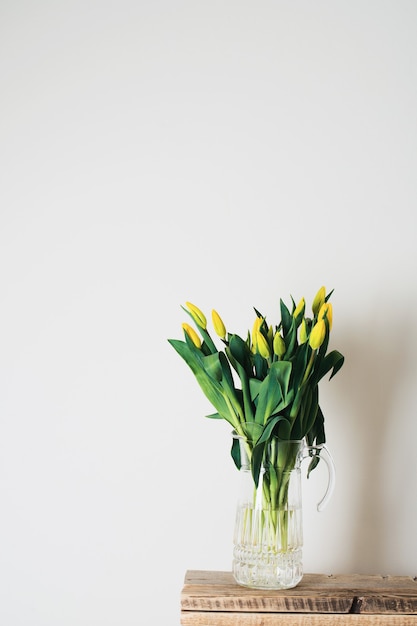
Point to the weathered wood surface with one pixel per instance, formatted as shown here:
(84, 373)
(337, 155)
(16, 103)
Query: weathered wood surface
(351, 595)
(192, 618)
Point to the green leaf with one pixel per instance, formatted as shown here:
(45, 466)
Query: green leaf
(286, 317)
(316, 436)
(320, 434)
(270, 395)
(240, 352)
(189, 355)
(239, 355)
(291, 339)
(328, 295)
(299, 362)
(273, 391)
(226, 371)
(252, 431)
(254, 386)
(212, 365)
(282, 371)
(334, 360)
(235, 452)
(261, 366)
(310, 408)
(210, 386)
(258, 450)
(313, 464)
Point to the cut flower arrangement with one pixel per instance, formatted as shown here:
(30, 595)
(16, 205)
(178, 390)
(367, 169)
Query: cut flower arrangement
(266, 385)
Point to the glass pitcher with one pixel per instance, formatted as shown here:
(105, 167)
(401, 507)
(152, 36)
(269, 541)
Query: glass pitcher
(268, 536)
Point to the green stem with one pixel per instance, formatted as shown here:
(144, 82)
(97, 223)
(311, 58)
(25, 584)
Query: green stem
(309, 367)
(300, 391)
(236, 412)
(247, 402)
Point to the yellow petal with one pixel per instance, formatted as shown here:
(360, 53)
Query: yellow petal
(303, 332)
(262, 345)
(257, 324)
(319, 300)
(279, 345)
(197, 315)
(218, 325)
(192, 335)
(255, 330)
(300, 308)
(326, 311)
(317, 335)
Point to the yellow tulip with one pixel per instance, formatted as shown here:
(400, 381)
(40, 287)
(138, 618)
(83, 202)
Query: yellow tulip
(218, 325)
(317, 335)
(192, 335)
(255, 330)
(326, 311)
(279, 345)
(303, 332)
(319, 300)
(257, 324)
(262, 345)
(197, 315)
(300, 308)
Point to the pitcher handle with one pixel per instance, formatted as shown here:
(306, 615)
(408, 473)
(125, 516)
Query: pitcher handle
(324, 454)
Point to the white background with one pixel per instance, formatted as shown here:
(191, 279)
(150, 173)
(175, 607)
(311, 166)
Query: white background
(228, 153)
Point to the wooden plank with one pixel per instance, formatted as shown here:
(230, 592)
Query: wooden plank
(197, 618)
(316, 593)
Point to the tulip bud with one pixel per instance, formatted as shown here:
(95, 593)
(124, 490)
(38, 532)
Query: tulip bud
(279, 345)
(262, 345)
(255, 330)
(317, 335)
(257, 324)
(218, 325)
(300, 308)
(197, 315)
(319, 300)
(326, 311)
(192, 335)
(303, 332)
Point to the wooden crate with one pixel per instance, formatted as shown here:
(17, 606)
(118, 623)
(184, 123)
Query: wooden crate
(214, 599)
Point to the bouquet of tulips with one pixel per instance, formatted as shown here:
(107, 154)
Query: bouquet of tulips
(279, 368)
(266, 386)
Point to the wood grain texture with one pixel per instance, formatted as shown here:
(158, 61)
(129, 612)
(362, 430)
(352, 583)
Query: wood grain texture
(217, 592)
(196, 618)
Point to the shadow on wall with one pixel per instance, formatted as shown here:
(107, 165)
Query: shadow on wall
(378, 366)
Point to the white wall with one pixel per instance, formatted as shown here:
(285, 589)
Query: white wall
(228, 153)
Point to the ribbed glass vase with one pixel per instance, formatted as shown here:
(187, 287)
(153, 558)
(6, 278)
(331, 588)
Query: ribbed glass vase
(268, 536)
